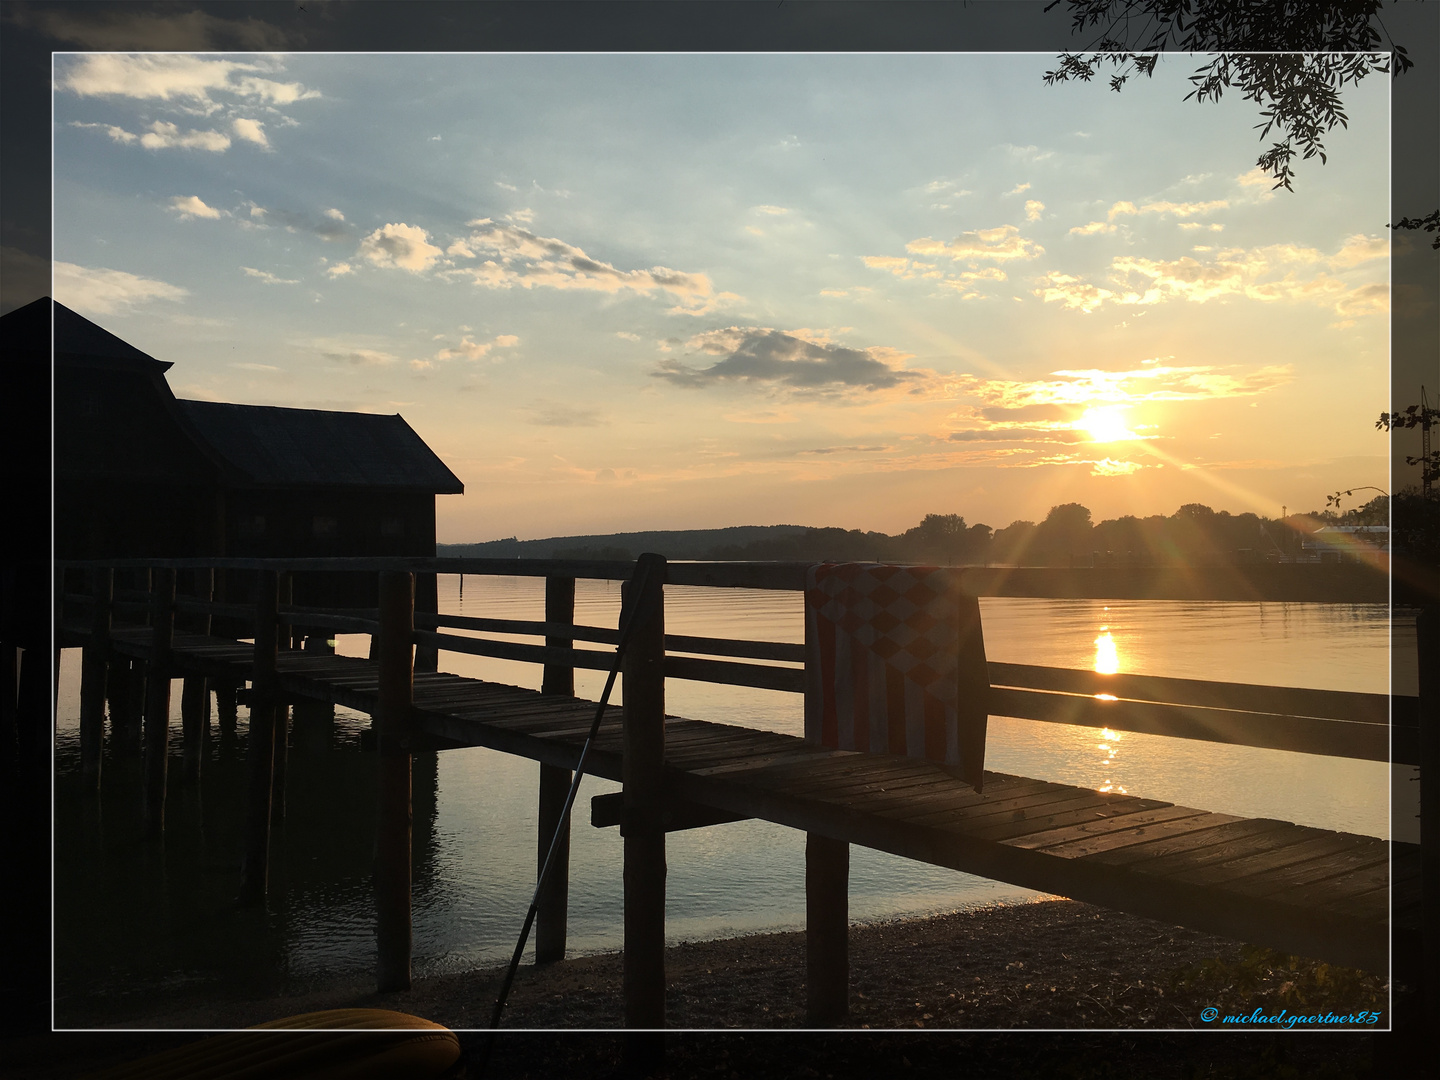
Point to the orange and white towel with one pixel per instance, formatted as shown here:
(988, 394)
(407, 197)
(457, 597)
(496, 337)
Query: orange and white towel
(888, 651)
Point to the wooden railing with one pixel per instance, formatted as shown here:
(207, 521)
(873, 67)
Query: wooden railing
(1374, 727)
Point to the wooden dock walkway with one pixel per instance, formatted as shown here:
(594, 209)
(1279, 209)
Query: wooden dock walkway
(1306, 891)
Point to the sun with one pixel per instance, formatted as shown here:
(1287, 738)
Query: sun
(1105, 424)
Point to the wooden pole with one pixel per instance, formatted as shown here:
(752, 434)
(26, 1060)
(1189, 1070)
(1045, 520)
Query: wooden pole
(827, 931)
(393, 835)
(94, 663)
(642, 773)
(157, 700)
(552, 911)
(195, 692)
(427, 599)
(255, 870)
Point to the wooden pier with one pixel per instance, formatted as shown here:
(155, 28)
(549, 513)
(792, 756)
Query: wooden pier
(1332, 896)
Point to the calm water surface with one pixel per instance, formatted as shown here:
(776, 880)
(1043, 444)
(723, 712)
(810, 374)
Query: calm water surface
(132, 919)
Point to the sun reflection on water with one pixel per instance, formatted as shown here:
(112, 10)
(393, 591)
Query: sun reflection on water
(1107, 660)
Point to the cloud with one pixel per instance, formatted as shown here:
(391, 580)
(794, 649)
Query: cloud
(1273, 273)
(340, 269)
(1092, 228)
(191, 206)
(1188, 209)
(561, 414)
(164, 135)
(471, 350)
(1111, 467)
(250, 131)
(1061, 399)
(190, 80)
(1001, 243)
(766, 357)
(1018, 433)
(1020, 188)
(399, 246)
(771, 210)
(100, 291)
(517, 256)
(355, 357)
(1033, 209)
(330, 226)
(268, 278)
(627, 335)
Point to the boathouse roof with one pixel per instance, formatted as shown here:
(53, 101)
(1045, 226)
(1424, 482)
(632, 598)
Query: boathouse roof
(277, 447)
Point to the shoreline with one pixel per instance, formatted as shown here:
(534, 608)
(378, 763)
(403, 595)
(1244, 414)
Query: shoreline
(1043, 965)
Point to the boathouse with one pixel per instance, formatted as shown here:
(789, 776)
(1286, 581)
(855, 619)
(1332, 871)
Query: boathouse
(140, 472)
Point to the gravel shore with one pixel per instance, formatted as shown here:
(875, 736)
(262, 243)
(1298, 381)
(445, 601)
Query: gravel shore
(1047, 966)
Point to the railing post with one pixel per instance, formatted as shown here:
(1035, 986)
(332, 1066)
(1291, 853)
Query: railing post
(396, 812)
(642, 772)
(157, 699)
(827, 931)
(195, 691)
(552, 911)
(255, 871)
(94, 663)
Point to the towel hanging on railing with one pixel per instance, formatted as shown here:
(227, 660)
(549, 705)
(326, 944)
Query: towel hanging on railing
(895, 664)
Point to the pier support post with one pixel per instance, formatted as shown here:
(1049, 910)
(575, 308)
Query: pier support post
(157, 700)
(427, 599)
(396, 817)
(827, 931)
(255, 870)
(552, 912)
(195, 691)
(642, 772)
(94, 663)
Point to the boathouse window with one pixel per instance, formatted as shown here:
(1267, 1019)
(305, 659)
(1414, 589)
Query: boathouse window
(392, 526)
(252, 525)
(324, 527)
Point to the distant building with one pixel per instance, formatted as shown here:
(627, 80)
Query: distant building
(141, 473)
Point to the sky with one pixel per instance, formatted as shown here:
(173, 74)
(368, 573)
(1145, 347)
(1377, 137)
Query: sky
(625, 292)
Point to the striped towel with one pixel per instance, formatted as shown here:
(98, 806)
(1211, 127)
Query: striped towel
(888, 651)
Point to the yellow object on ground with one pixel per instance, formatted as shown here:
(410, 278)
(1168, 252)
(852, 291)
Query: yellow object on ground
(337, 1044)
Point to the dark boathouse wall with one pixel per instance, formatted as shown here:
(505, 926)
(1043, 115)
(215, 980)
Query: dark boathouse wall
(140, 473)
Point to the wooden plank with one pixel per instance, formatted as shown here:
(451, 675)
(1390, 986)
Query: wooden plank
(1245, 697)
(1325, 845)
(1223, 832)
(1234, 846)
(393, 859)
(987, 811)
(1306, 735)
(754, 650)
(1321, 870)
(1093, 837)
(730, 673)
(1072, 815)
(827, 930)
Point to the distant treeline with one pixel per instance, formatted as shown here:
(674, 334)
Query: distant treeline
(1193, 535)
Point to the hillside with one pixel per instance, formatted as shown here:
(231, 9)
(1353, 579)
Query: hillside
(672, 543)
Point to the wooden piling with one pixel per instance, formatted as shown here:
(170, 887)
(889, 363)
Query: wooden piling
(396, 821)
(827, 931)
(255, 870)
(227, 710)
(552, 910)
(157, 700)
(94, 664)
(642, 773)
(195, 691)
(427, 599)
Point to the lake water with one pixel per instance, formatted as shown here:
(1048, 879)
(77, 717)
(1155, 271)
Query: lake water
(132, 919)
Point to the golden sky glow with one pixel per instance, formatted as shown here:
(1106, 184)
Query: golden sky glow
(801, 289)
